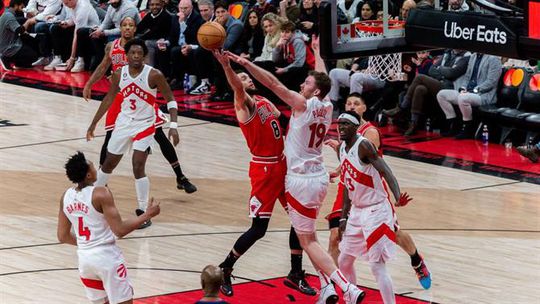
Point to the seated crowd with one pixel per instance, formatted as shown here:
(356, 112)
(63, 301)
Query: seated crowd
(72, 35)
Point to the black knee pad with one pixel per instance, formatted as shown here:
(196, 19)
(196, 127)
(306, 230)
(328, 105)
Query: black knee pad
(294, 242)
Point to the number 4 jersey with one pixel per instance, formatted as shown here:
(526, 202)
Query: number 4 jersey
(305, 137)
(91, 228)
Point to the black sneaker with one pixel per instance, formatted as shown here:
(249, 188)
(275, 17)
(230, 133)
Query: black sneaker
(298, 281)
(184, 184)
(226, 284)
(148, 223)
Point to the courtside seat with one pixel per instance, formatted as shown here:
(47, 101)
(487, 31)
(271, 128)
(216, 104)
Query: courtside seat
(510, 85)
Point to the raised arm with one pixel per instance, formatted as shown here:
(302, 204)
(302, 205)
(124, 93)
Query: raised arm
(368, 154)
(63, 231)
(319, 62)
(105, 103)
(243, 103)
(103, 200)
(98, 73)
(296, 101)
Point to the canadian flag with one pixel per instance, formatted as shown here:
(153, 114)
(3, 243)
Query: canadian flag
(345, 32)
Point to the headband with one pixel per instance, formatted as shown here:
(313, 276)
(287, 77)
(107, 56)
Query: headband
(350, 118)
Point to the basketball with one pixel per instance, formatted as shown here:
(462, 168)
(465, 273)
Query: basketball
(211, 35)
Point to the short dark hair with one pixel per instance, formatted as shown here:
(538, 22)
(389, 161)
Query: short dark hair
(221, 4)
(136, 41)
(288, 26)
(76, 167)
(322, 81)
(356, 95)
(14, 3)
(354, 114)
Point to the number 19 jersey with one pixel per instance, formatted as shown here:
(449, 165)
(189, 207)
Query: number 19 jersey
(91, 228)
(305, 136)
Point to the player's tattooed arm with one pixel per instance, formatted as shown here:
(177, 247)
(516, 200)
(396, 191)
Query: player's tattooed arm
(98, 73)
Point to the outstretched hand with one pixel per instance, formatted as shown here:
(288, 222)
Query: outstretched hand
(241, 61)
(404, 199)
(315, 45)
(221, 56)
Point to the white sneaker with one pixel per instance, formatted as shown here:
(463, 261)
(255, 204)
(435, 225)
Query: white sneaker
(3, 65)
(79, 66)
(353, 295)
(41, 61)
(53, 64)
(328, 295)
(203, 88)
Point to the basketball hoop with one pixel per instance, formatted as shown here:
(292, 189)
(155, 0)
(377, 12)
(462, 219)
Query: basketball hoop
(376, 26)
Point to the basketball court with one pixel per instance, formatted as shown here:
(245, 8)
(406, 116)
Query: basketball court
(474, 218)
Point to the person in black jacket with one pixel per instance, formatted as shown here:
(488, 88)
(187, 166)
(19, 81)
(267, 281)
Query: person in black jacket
(180, 47)
(253, 36)
(154, 26)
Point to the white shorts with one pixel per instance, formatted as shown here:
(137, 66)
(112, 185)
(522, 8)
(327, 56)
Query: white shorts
(104, 274)
(370, 233)
(305, 195)
(127, 131)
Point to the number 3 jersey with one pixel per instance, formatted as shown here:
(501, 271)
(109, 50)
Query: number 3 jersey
(91, 228)
(305, 136)
(139, 98)
(262, 131)
(363, 181)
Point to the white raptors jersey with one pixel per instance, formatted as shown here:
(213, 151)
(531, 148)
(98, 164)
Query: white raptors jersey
(91, 228)
(363, 181)
(304, 141)
(139, 98)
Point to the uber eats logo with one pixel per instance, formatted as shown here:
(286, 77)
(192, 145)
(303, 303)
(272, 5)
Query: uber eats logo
(479, 33)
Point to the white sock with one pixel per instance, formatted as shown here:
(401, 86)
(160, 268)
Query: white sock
(325, 280)
(384, 282)
(346, 265)
(102, 178)
(340, 280)
(142, 187)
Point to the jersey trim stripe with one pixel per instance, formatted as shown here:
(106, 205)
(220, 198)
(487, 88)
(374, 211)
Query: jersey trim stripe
(95, 284)
(296, 205)
(150, 131)
(381, 231)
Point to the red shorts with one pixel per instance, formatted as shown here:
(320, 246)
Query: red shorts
(267, 185)
(334, 216)
(116, 107)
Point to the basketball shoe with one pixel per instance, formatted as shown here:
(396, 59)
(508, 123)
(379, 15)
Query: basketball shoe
(353, 295)
(328, 295)
(297, 280)
(147, 223)
(184, 184)
(423, 275)
(226, 284)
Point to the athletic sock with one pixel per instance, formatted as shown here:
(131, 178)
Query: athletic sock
(338, 278)
(416, 259)
(229, 260)
(178, 171)
(142, 187)
(325, 280)
(102, 178)
(296, 263)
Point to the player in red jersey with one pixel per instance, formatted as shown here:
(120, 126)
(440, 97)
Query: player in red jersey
(259, 121)
(116, 58)
(356, 103)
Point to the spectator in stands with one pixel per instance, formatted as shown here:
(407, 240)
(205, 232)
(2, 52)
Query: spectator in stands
(458, 6)
(234, 29)
(182, 45)
(367, 12)
(84, 18)
(407, 6)
(203, 57)
(60, 32)
(211, 277)
(253, 36)
(532, 153)
(424, 88)
(272, 27)
(350, 8)
(108, 30)
(171, 6)
(293, 58)
(477, 87)
(15, 44)
(37, 13)
(206, 9)
(156, 25)
(308, 22)
(288, 9)
(263, 7)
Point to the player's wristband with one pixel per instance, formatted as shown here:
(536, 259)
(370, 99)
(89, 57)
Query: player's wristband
(172, 105)
(343, 219)
(173, 125)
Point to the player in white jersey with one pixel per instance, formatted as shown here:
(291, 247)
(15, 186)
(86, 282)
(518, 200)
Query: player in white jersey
(368, 227)
(307, 180)
(97, 224)
(138, 83)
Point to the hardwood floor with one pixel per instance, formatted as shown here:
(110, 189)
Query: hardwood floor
(482, 245)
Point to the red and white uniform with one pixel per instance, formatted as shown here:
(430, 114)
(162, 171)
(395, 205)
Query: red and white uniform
(338, 203)
(370, 230)
(118, 60)
(268, 167)
(307, 180)
(135, 122)
(101, 263)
